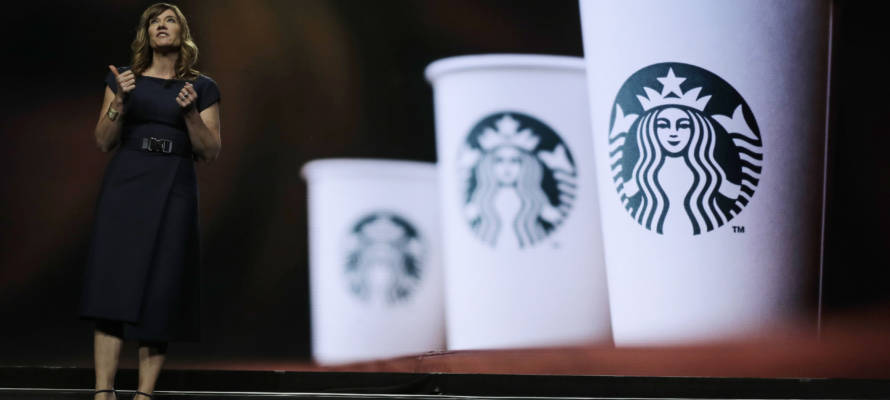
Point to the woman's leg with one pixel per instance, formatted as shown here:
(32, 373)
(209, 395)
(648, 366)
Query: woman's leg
(151, 359)
(106, 352)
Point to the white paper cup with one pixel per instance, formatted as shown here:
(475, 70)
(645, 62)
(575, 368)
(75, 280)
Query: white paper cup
(709, 130)
(518, 195)
(375, 274)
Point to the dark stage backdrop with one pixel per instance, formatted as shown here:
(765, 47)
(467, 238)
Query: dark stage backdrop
(311, 79)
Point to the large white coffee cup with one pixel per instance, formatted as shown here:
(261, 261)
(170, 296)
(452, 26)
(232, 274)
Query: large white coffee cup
(522, 242)
(375, 270)
(709, 126)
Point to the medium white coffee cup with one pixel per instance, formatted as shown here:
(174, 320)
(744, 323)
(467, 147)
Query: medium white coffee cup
(522, 242)
(375, 270)
(709, 125)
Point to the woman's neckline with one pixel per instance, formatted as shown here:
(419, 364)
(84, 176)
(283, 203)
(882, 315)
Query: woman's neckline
(160, 79)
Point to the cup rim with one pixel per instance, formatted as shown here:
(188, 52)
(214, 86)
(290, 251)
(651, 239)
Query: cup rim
(367, 168)
(438, 68)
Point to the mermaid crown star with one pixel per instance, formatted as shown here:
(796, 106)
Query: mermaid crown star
(671, 94)
(508, 133)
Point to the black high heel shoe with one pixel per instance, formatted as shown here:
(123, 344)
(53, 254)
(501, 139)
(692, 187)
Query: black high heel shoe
(140, 393)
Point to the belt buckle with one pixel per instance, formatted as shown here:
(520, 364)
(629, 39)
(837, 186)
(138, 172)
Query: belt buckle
(157, 145)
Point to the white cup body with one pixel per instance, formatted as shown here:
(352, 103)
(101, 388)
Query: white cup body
(523, 258)
(375, 270)
(762, 67)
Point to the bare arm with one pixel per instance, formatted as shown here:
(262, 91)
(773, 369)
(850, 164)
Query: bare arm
(204, 127)
(203, 130)
(108, 129)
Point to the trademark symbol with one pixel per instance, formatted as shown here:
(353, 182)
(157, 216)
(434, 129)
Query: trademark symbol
(738, 229)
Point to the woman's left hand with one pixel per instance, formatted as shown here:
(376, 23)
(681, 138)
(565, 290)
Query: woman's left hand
(187, 97)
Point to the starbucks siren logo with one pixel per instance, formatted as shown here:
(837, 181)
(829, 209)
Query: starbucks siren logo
(384, 258)
(518, 177)
(686, 158)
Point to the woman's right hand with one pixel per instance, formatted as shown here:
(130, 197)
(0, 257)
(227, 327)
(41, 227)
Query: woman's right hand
(126, 82)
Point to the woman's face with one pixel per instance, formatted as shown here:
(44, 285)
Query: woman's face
(507, 164)
(673, 128)
(164, 30)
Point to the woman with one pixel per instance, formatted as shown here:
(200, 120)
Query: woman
(141, 283)
(681, 185)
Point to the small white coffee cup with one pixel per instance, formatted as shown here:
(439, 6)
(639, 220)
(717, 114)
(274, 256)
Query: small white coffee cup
(375, 270)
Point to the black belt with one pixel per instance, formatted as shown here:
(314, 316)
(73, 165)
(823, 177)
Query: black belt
(158, 145)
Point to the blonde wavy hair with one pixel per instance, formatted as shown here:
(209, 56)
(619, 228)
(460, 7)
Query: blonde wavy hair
(143, 53)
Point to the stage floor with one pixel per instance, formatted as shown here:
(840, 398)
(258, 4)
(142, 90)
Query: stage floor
(850, 359)
(72, 383)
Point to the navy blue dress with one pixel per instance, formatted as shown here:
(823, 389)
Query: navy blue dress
(143, 263)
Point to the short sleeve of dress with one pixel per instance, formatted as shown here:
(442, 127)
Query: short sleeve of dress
(208, 92)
